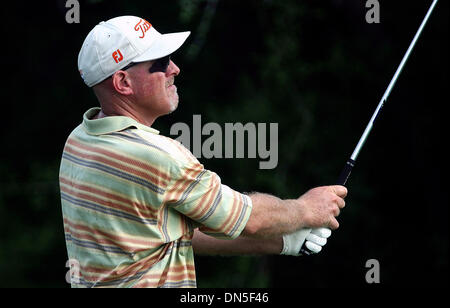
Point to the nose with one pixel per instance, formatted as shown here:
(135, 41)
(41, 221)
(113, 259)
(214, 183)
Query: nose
(172, 69)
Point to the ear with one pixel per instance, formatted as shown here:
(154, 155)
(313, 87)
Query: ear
(122, 83)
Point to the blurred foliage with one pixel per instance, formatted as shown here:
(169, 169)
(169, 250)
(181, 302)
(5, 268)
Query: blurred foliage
(314, 67)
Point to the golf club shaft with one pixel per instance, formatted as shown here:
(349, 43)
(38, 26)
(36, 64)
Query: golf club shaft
(342, 180)
(343, 177)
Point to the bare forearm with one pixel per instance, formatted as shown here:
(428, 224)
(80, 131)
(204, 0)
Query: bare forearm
(316, 208)
(272, 217)
(208, 245)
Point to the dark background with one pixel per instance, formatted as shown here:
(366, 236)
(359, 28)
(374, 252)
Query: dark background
(316, 68)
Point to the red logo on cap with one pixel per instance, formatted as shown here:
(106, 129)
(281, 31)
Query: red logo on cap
(117, 56)
(142, 26)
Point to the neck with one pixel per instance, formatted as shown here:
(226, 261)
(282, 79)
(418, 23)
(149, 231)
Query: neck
(113, 104)
(124, 110)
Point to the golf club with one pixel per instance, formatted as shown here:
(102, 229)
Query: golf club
(343, 177)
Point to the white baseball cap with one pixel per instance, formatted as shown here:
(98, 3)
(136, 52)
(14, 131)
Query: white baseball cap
(112, 45)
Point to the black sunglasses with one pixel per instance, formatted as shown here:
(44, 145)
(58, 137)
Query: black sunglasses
(160, 65)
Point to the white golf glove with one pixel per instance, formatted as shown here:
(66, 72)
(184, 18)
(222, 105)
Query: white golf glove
(314, 240)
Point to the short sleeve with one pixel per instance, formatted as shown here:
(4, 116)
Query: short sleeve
(199, 194)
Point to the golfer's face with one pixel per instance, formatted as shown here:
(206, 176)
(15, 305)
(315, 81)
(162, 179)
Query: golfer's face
(156, 90)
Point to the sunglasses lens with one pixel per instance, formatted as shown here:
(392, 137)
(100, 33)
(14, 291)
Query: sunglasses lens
(160, 65)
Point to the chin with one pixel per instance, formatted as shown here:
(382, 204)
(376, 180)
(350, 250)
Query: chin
(173, 105)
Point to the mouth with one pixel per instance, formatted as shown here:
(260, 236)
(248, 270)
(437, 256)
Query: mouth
(170, 83)
(171, 89)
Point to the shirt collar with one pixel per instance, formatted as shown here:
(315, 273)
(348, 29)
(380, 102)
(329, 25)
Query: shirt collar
(110, 124)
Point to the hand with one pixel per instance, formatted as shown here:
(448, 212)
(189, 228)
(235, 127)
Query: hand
(315, 240)
(320, 206)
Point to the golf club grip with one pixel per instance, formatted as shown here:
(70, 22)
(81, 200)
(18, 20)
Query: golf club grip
(345, 173)
(342, 180)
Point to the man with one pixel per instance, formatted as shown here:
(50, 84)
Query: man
(136, 204)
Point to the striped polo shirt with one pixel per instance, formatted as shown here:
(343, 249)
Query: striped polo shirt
(131, 200)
